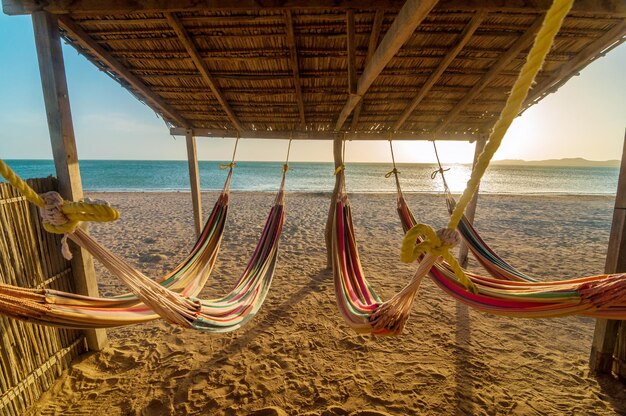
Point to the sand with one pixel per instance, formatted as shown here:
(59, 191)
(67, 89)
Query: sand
(298, 357)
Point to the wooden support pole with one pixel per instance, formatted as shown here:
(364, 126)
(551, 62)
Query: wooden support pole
(194, 182)
(338, 155)
(54, 85)
(606, 331)
(470, 212)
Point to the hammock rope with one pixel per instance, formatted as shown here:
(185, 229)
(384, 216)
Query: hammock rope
(232, 163)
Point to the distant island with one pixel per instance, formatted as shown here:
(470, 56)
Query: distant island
(569, 162)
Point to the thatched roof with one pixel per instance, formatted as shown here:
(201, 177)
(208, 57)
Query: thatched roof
(222, 66)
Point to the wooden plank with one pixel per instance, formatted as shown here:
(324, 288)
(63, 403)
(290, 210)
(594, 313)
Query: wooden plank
(319, 135)
(402, 28)
(463, 39)
(377, 25)
(54, 85)
(153, 99)
(187, 42)
(522, 43)
(295, 66)
(194, 181)
(328, 235)
(470, 211)
(99, 7)
(605, 337)
(613, 38)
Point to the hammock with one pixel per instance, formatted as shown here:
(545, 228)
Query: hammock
(173, 297)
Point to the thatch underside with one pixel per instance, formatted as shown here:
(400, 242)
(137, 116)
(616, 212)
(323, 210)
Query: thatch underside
(293, 69)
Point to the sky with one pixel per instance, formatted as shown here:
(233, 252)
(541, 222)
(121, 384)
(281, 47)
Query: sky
(585, 118)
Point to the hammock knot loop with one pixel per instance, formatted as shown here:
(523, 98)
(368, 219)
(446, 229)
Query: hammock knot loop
(448, 237)
(52, 212)
(340, 168)
(225, 166)
(62, 217)
(423, 239)
(394, 171)
(439, 171)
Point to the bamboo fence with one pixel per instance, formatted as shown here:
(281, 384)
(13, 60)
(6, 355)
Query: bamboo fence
(31, 356)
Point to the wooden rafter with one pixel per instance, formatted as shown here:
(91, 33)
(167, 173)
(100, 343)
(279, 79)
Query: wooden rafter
(187, 42)
(522, 43)
(320, 135)
(295, 67)
(351, 51)
(99, 7)
(613, 37)
(405, 23)
(464, 37)
(153, 99)
(377, 25)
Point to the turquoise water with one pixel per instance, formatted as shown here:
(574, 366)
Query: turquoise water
(146, 175)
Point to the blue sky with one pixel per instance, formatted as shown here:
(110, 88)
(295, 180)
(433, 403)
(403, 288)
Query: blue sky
(586, 118)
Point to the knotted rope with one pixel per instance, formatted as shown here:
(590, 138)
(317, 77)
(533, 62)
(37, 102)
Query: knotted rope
(232, 164)
(438, 244)
(60, 216)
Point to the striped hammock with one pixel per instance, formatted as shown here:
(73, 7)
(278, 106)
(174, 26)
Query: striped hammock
(602, 296)
(173, 297)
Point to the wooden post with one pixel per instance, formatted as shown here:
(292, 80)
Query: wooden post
(194, 181)
(470, 212)
(54, 85)
(338, 155)
(606, 332)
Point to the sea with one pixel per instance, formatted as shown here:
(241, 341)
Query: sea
(173, 176)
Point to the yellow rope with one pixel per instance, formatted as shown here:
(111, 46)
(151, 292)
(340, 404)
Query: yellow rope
(537, 55)
(432, 242)
(17, 182)
(74, 212)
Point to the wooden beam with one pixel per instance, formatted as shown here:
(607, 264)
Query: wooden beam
(610, 40)
(377, 25)
(402, 28)
(194, 182)
(319, 135)
(463, 39)
(153, 99)
(606, 331)
(295, 66)
(351, 51)
(520, 44)
(328, 236)
(615, 8)
(470, 212)
(55, 94)
(187, 42)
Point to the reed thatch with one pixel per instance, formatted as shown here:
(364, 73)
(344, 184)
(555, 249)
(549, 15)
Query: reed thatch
(292, 68)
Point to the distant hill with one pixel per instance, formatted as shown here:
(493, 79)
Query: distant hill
(569, 162)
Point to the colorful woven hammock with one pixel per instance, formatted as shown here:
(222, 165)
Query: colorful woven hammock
(173, 297)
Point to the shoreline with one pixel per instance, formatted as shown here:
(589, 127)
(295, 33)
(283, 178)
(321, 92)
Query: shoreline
(329, 192)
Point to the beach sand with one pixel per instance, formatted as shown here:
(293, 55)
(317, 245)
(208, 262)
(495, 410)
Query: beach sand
(298, 357)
